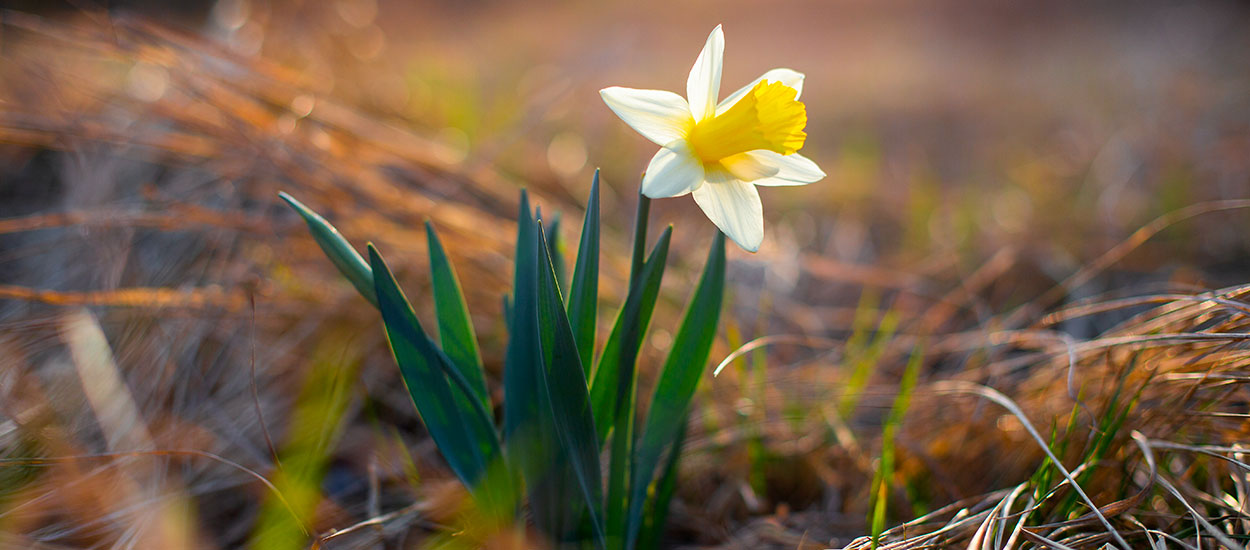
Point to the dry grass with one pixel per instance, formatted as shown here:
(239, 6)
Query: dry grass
(175, 353)
(1149, 417)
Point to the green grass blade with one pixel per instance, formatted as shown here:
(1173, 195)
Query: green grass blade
(682, 371)
(340, 252)
(885, 471)
(621, 350)
(455, 330)
(568, 398)
(465, 437)
(583, 296)
(863, 350)
(316, 426)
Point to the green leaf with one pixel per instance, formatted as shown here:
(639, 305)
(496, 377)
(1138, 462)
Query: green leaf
(682, 371)
(528, 431)
(618, 467)
(554, 246)
(520, 401)
(583, 297)
(614, 376)
(455, 330)
(615, 406)
(568, 399)
(340, 252)
(657, 511)
(617, 385)
(466, 438)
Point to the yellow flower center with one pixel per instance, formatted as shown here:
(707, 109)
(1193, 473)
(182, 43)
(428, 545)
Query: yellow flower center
(767, 117)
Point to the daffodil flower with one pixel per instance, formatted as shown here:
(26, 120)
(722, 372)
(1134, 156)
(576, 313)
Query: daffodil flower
(720, 151)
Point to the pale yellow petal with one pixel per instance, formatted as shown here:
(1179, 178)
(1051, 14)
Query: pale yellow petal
(767, 168)
(746, 167)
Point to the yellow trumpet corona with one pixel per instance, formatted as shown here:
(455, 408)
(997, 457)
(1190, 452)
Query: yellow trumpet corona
(768, 117)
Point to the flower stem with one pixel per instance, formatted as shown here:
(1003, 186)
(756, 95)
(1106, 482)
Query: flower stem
(640, 237)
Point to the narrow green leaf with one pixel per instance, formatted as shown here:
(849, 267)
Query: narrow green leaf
(568, 399)
(619, 465)
(455, 330)
(519, 369)
(555, 245)
(340, 252)
(583, 297)
(614, 406)
(682, 371)
(466, 438)
(621, 350)
(657, 511)
(528, 431)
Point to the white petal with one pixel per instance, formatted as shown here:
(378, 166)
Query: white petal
(749, 168)
(703, 85)
(673, 172)
(774, 169)
(734, 207)
(791, 78)
(658, 115)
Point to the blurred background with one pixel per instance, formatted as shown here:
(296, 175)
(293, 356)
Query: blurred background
(169, 332)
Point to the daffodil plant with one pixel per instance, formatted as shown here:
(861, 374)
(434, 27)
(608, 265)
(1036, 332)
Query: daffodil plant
(719, 151)
(563, 407)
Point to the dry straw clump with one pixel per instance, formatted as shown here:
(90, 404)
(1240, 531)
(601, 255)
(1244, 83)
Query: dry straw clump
(1147, 418)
